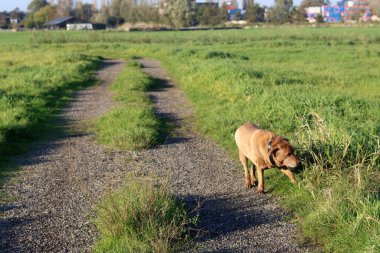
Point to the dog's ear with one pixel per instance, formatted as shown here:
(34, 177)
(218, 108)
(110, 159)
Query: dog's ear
(274, 152)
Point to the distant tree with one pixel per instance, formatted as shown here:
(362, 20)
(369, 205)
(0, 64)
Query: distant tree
(319, 19)
(309, 3)
(15, 14)
(101, 16)
(88, 12)
(4, 23)
(104, 8)
(35, 5)
(375, 6)
(146, 12)
(115, 10)
(211, 15)
(79, 11)
(254, 13)
(178, 13)
(297, 15)
(112, 21)
(280, 13)
(126, 10)
(250, 11)
(39, 18)
(43, 15)
(65, 8)
(28, 22)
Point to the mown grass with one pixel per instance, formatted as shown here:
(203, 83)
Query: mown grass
(132, 124)
(141, 216)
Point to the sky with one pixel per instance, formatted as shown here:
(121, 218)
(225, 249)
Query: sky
(9, 5)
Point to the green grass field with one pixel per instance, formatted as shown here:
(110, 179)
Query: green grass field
(317, 86)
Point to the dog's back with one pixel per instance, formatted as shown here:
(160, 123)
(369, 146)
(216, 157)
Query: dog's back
(248, 138)
(243, 135)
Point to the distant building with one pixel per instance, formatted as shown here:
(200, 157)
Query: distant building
(71, 23)
(79, 26)
(14, 21)
(4, 21)
(357, 9)
(210, 3)
(345, 10)
(229, 4)
(312, 13)
(332, 14)
(59, 23)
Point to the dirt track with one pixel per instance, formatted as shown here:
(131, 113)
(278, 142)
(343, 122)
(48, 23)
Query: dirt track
(63, 178)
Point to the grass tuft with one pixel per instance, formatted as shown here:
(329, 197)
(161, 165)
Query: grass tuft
(135, 64)
(141, 216)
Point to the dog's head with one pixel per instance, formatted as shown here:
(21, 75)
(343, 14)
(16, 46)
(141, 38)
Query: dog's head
(281, 153)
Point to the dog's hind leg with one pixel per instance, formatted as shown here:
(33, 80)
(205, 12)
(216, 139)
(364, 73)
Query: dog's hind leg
(252, 172)
(244, 161)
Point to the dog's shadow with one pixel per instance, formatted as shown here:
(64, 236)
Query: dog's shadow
(223, 215)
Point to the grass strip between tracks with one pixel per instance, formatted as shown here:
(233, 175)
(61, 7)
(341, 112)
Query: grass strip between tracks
(140, 216)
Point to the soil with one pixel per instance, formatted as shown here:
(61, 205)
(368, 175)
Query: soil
(62, 178)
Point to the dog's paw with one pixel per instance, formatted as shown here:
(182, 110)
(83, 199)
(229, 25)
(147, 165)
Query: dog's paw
(248, 186)
(254, 184)
(260, 191)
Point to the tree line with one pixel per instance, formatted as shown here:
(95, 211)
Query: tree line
(171, 13)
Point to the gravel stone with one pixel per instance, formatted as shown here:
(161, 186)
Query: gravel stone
(62, 179)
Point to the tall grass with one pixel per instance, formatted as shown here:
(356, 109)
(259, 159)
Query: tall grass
(141, 217)
(341, 189)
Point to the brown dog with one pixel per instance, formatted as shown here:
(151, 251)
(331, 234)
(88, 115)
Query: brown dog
(266, 150)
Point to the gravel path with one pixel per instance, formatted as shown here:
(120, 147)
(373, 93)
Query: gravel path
(63, 178)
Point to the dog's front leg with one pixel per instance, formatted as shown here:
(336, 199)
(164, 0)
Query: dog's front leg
(289, 174)
(260, 166)
(260, 175)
